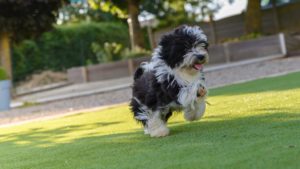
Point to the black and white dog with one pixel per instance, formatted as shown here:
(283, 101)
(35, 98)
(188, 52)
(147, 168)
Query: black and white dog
(173, 80)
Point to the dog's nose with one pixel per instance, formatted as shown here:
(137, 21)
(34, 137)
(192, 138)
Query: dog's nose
(200, 57)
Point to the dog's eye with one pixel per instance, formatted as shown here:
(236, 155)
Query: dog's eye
(203, 45)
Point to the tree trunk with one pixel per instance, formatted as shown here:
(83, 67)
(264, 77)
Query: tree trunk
(136, 33)
(253, 17)
(151, 37)
(275, 16)
(5, 54)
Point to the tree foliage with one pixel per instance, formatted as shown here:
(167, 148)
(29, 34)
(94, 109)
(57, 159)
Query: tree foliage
(171, 12)
(115, 7)
(82, 11)
(129, 9)
(26, 18)
(21, 19)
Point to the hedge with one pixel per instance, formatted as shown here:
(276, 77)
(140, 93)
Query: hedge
(65, 47)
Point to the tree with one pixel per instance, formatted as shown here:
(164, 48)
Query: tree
(169, 12)
(124, 9)
(253, 17)
(21, 19)
(134, 25)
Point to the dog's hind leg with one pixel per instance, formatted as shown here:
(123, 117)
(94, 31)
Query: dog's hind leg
(152, 121)
(156, 125)
(140, 113)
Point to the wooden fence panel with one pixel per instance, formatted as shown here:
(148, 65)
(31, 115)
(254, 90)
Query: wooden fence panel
(251, 49)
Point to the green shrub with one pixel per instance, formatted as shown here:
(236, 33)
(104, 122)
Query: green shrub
(3, 75)
(136, 52)
(115, 51)
(27, 59)
(66, 46)
(107, 52)
(69, 46)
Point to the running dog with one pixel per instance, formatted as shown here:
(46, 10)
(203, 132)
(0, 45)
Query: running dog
(172, 80)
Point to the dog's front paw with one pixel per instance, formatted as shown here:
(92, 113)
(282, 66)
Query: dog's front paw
(157, 128)
(197, 113)
(160, 132)
(189, 116)
(201, 92)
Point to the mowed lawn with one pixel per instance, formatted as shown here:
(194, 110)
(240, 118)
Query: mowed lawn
(249, 125)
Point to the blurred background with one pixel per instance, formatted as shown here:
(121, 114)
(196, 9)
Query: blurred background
(50, 44)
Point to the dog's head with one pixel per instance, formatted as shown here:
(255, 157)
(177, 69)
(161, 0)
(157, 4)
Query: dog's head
(185, 48)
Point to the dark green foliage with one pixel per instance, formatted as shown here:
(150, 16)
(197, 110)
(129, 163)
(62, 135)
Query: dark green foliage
(65, 47)
(26, 59)
(3, 75)
(26, 18)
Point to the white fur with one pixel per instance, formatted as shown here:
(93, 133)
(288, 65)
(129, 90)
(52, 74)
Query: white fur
(195, 31)
(156, 127)
(196, 113)
(187, 95)
(143, 111)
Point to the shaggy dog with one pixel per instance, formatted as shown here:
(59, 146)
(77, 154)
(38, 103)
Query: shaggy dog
(172, 80)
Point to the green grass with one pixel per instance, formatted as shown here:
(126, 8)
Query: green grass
(250, 125)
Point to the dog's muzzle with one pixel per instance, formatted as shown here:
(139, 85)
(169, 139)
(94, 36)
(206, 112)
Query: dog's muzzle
(200, 57)
(199, 61)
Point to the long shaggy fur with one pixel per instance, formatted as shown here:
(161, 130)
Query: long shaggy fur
(171, 80)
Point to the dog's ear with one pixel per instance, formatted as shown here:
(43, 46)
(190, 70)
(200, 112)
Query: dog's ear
(166, 40)
(171, 37)
(173, 48)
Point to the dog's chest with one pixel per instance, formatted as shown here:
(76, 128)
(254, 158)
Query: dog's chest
(186, 76)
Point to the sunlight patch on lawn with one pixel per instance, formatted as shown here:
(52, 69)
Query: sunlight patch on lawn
(119, 120)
